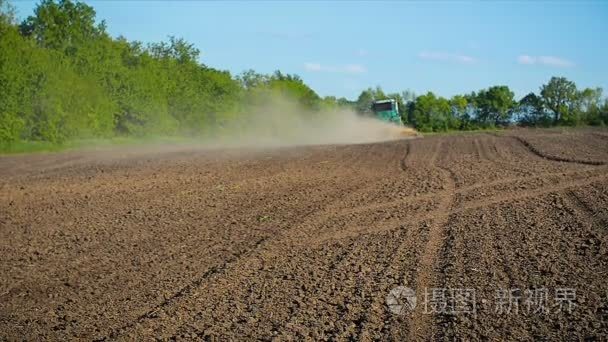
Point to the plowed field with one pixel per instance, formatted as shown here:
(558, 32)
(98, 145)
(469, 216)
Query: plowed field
(500, 236)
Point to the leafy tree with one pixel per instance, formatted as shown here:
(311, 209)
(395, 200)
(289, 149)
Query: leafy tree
(459, 112)
(408, 96)
(251, 79)
(177, 49)
(62, 26)
(344, 102)
(7, 13)
(604, 113)
(559, 96)
(367, 97)
(431, 113)
(495, 105)
(364, 102)
(292, 86)
(532, 111)
(13, 80)
(589, 101)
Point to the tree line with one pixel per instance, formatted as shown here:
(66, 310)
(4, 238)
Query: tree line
(62, 76)
(559, 102)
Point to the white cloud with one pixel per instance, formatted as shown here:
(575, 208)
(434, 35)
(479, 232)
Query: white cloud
(544, 60)
(525, 59)
(345, 69)
(446, 57)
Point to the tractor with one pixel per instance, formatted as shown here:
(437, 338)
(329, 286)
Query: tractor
(387, 110)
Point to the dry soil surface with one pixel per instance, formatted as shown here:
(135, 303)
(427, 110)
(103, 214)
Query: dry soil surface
(498, 236)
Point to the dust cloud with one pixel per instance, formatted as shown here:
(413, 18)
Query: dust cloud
(282, 123)
(269, 124)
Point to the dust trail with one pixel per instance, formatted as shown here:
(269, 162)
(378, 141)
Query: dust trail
(280, 122)
(271, 123)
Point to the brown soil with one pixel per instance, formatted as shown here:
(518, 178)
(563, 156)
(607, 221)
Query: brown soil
(581, 146)
(306, 243)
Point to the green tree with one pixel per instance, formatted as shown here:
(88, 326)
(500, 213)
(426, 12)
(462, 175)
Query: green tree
(251, 79)
(292, 87)
(589, 101)
(63, 26)
(408, 96)
(459, 112)
(559, 96)
(364, 102)
(604, 113)
(177, 49)
(495, 105)
(367, 97)
(532, 111)
(7, 13)
(13, 79)
(431, 113)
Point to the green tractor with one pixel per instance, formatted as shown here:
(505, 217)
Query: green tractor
(387, 110)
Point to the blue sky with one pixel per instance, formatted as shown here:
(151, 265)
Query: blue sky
(340, 48)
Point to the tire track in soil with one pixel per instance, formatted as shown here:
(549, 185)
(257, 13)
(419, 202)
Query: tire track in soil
(372, 319)
(460, 190)
(444, 322)
(541, 154)
(342, 264)
(486, 153)
(526, 194)
(421, 324)
(443, 214)
(405, 160)
(596, 227)
(466, 206)
(592, 215)
(601, 136)
(449, 322)
(507, 255)
(506, 181)
(427, 272)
